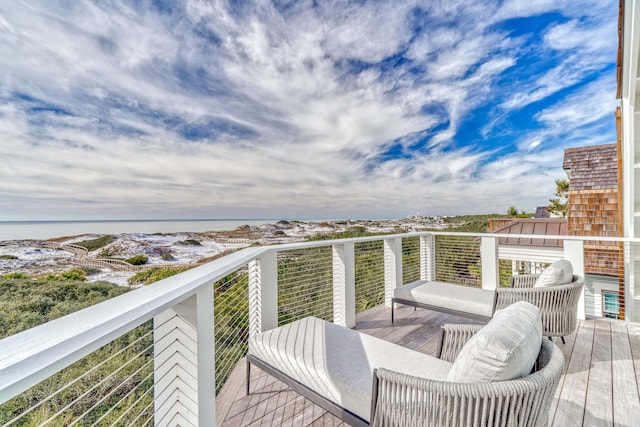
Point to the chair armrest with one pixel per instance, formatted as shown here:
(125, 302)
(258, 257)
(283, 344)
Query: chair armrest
(453, 338)
(552, 298)
(523, 280)
(558, 305)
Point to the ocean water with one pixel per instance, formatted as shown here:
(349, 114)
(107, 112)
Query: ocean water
(18, 230)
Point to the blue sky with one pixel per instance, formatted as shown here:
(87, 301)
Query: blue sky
(297, 109)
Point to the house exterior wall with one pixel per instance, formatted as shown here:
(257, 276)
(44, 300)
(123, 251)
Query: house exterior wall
(594, 207)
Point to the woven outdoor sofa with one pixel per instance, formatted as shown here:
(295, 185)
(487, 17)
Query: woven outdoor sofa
(555, 292)
(365, 380)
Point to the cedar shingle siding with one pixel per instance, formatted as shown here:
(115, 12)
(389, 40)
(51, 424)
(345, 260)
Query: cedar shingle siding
(594, 204)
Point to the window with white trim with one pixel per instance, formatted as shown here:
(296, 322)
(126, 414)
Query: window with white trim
(610, 304)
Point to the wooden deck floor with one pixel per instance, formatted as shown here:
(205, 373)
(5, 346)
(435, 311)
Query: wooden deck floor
(600, 386)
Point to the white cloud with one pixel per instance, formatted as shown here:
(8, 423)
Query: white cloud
(119, 110)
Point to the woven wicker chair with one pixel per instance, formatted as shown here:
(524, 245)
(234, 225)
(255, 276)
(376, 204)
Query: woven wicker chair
(558, 304)
(399, 399)
(403, 400)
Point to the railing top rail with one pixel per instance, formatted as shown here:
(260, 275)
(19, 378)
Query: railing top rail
(540, 236)
(316, 243)
(33, 355)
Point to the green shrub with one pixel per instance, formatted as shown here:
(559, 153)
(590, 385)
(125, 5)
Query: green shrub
(8, 257)
(137, 260)
(167, 257)
(89, 271)
(75, 274)
(94, 244)
(154, 274)
(105, 253)
(26, 303)
(16, 276)
(351, 232)
(189, 242)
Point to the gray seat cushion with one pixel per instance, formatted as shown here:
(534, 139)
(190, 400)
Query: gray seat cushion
(337, 362)
(449, 296)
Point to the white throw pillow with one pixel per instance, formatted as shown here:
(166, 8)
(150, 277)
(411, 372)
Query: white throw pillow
(558, 273)
(505, 348)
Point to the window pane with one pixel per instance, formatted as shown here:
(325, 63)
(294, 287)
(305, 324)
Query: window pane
(610, 302)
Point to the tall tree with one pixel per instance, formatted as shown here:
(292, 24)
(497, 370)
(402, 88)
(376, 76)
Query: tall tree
(558, 205)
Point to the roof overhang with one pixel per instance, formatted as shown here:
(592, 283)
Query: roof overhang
(528, 253)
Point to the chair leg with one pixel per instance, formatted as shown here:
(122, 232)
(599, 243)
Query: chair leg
(562, 338)
(248, 375)
(550, 339)
(393, 306)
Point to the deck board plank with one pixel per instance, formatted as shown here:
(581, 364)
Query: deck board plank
(570, 408)
(567, 349)
(633, 329)
(626, 403)
(599, 403)
(585, 395)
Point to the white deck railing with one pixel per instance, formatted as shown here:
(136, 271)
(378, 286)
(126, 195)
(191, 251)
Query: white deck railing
(182, 307)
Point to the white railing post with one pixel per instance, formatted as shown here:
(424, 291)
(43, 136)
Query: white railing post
(392, 267)
(490, 264)
(428, 257)
(184, 362)
(263, 293)
(631, 250)
(574, 253)
(344, 285)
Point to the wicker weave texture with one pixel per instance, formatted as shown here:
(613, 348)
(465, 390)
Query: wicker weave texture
(524, 280)
(558, 305)
(404, 400)
(454, 337)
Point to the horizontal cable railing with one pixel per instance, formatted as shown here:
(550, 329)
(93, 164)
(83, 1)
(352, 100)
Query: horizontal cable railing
(410, 259)
(231, 322)
(305, 284)
(458, 260)
(111, 386)
(157, 335)
(369, 275)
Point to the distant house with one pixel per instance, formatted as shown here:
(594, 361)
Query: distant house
(595, 209)
(542, 212)
(520, 250)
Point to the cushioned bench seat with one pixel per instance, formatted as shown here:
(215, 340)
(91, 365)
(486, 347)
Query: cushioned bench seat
(343, 375)
(459, 300)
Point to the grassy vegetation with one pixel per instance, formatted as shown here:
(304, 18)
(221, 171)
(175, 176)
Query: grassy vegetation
(8, 257)
(94, 244)
(27, 302)
(154, 274)
(137, 260)
(351, 232)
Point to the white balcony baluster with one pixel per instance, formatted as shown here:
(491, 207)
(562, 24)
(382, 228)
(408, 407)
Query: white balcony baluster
(184, 363)
(428, 257)
(344, 285)
(574, 253)
(490, 265)
(263, 293)
(392, 267)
